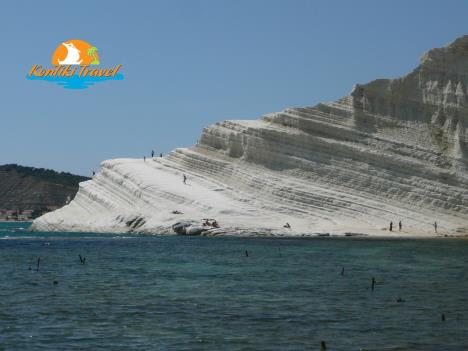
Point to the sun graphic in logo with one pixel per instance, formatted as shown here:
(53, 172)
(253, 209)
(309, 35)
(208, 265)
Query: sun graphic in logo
(75, 52)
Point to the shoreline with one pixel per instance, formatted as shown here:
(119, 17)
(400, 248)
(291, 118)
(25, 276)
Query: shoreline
(355, 233)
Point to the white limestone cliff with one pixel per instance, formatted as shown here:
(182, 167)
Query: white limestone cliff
(394, 149)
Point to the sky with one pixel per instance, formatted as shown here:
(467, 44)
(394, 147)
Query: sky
(188, 64)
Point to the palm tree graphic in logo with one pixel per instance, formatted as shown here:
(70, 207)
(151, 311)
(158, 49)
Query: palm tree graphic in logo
(92, 52)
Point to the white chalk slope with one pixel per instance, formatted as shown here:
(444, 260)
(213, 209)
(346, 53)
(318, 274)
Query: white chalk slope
(392, 150)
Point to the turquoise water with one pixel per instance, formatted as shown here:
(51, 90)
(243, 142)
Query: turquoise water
(197, 293)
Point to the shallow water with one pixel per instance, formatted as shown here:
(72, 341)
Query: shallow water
(199, 293)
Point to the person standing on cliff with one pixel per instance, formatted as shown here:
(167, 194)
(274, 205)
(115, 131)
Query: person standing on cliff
(185, 179)
(399, 226)
(391, 226)
(435, 227)
(152, 153)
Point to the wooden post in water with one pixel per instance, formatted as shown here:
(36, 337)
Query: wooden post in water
(373, 283)
(246, 253)
(82, 259)
(342, 271)
(323, 345)
(443, 317)
(38, 263)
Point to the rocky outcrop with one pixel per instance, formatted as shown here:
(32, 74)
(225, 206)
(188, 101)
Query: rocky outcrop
(394, 149)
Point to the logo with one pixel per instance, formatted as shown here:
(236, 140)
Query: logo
(75, 66)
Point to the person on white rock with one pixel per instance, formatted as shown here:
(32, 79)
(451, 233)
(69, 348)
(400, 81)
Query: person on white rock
(435, 227)
(185, 179)
(391, 226)
(152, 153)
(399, 226)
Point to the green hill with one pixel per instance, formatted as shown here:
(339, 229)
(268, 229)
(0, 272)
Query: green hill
(28, 188)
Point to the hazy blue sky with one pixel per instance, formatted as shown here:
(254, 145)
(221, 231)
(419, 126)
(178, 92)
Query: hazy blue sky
(188, 64)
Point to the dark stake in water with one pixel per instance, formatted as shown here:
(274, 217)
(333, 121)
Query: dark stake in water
(195, 293)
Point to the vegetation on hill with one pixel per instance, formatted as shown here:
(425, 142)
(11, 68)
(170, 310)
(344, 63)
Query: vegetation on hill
(37, 189)
(44, 174)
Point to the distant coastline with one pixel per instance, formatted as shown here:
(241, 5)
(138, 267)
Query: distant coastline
(28, 192)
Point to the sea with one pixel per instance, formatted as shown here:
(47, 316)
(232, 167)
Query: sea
(133, 292)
